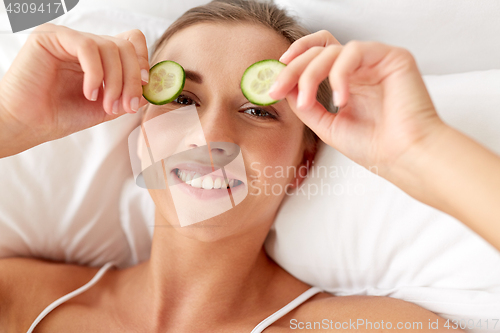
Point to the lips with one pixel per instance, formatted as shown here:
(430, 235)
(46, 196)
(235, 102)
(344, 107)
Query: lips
(206, 182)
(207, 174)
(201, 183)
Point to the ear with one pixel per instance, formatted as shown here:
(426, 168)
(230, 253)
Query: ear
(303, 168)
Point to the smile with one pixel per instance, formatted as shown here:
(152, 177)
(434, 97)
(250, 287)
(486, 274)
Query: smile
(207, 182)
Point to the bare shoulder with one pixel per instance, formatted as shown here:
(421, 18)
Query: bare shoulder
(324, 313)
(28, 285)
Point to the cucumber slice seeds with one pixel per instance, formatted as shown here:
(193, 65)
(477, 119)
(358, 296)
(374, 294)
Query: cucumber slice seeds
(258, 79)
(166, 81)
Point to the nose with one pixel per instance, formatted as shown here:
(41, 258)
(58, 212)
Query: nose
(195, 137)
(215, 130)
(223, 153)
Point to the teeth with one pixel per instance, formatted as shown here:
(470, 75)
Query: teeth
(206, 182)
(188, 178)
(197, 180)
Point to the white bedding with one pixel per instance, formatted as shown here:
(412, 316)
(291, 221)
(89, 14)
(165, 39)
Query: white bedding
(73, 199)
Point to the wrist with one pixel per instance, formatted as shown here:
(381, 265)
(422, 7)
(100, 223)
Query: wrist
(12, 137)
(413, 171)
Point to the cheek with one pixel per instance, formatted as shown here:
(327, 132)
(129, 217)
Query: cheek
(273, 158)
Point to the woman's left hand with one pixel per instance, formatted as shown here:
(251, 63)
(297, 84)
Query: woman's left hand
(385, 108)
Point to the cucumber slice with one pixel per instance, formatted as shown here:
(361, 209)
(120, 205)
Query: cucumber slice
(166, 81)
(258, 78)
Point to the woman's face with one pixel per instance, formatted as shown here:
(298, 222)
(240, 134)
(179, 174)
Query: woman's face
(270, 138)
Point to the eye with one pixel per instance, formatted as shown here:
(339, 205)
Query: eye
(259, 113)
(184, 100)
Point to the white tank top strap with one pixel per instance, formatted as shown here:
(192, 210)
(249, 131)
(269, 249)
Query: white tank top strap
(287, 308)
(258, 329)
(69, 296)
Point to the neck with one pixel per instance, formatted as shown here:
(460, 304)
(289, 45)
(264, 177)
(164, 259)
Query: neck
(184, 274)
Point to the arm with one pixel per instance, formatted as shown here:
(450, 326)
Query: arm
(387, 120)
(453, 173)
(368, 314)
(6, 149)
(12, 139)
(54, 87)
(28, 285)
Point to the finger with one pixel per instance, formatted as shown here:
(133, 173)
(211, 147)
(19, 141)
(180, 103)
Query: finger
(90, 60)
(113, 74)
(121, 111)
(137, 38)
(289, 76)
(354, 55)
(131, 74)
(321, 38)
(316, 71)
(143, 102)
(67, 44)
(317, 117)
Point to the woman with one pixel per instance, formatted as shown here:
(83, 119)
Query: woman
(216, 276)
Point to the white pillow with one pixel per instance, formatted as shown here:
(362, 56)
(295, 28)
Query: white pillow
(446, 36)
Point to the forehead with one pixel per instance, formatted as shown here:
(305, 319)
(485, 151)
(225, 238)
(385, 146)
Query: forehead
(225, 49)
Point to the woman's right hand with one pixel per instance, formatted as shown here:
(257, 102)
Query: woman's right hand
(54, 87)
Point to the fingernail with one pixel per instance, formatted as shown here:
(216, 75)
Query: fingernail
(300, 100)
(284, 55)
(134, 104)
(94, 95)
(335, 99)
(274, 86)
(145, 75)
(115, 107)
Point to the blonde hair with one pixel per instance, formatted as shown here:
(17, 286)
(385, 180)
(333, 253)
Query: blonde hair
(254, 11)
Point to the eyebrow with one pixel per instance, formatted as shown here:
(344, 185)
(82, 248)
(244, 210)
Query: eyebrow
(194, 76)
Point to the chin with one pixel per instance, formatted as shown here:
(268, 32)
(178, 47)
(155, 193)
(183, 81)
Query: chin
(248, 216)
(212, 229)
